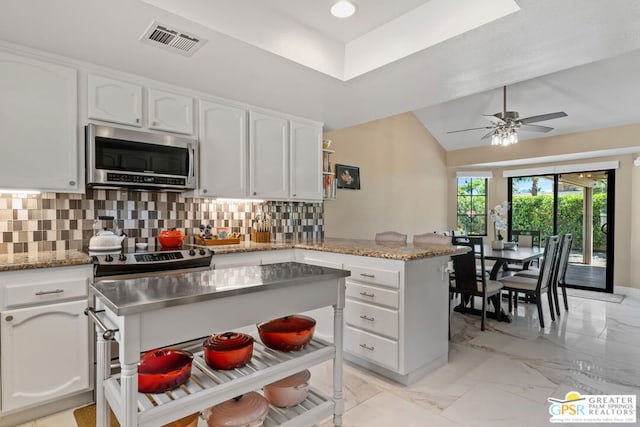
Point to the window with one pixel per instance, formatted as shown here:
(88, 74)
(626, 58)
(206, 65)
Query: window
(472, 205)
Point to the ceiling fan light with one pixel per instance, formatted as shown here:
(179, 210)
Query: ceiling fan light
(495, 138)
(513, 137)
(343, 9)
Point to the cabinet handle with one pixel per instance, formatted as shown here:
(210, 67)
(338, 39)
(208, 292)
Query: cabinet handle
(72, 183)
(295, 195)
(204, 191)
(366, 347)
(138, 120)
(255, 193)
(8, 318)
(57, 291)
(365, 317)
(367, 294)
(154, 123)
(371, 276)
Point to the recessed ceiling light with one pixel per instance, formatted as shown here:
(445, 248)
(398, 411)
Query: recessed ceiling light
(343, 9)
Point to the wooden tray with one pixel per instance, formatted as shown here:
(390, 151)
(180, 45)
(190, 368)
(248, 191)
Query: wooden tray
(215, 242)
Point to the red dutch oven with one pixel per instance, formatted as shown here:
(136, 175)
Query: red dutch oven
(171, 238)
(289, 333)
(162, 370)
(228, 350)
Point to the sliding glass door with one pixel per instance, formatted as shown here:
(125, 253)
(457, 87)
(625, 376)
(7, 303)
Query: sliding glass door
(577, 203)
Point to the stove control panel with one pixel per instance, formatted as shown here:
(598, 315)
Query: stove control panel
(158, 257)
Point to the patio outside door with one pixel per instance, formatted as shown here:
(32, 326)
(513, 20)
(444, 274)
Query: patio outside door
(577, 203)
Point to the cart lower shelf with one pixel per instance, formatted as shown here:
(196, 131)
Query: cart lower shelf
(207, 387)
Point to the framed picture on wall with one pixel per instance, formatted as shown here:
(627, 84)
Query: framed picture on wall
(348, 177)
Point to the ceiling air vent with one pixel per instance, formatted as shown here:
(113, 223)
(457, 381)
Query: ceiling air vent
(168, 38)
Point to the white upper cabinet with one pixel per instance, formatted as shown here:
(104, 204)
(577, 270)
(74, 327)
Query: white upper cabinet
(223, 151)
(114, 101)
(305, 159)
(268, 156)
(170, 112)
(38, 125)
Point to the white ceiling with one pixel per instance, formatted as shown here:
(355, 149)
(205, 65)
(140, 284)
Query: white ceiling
(577, 56)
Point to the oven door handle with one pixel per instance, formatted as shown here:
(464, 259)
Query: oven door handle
(107, 334)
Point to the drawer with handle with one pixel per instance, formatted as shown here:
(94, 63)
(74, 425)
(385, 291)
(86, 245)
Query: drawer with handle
(377, 349)
(375, 319)
(376, 276)
(373, 294)
(28, 294)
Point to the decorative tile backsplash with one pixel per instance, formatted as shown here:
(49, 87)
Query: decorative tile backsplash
(60, 221)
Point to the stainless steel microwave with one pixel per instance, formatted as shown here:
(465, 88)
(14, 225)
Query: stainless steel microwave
(142, 160)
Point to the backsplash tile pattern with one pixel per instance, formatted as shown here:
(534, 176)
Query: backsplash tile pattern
(60, 221)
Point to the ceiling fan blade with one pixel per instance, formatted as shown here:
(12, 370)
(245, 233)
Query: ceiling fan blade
(535, 128)
(495, 118)
(488, 135)
(464, 130)
(543, 117)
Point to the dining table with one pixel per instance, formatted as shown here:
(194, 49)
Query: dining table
(520, 255)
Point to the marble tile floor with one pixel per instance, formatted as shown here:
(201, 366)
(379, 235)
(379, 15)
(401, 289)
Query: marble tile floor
(499, 377)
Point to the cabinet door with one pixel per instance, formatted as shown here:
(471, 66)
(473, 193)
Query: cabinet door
(223, 151)
(268, 156)
(45, 353)
(114, 101)
(38, 125)
(305, 162)
(170, 112)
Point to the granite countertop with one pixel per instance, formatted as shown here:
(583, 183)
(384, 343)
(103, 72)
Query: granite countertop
(370, 248)
(43, 259)
(143, 294)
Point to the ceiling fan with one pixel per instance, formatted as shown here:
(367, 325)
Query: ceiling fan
(505, 124)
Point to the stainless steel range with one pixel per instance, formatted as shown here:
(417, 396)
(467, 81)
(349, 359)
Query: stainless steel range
(147, 263)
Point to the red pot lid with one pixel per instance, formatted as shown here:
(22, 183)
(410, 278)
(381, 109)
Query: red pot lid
(228, 341)
(240, 411)
(293, 323)
(293, 381)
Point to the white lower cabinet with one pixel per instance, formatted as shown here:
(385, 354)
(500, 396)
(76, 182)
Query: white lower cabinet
(396, 313)
(372, 318)
(45, 350)
(45, 353)
(372, 347)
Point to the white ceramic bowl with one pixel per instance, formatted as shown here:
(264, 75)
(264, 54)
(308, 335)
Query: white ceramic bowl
(142, 245)
(289, 391)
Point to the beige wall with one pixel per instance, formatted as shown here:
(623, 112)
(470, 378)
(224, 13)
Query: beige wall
(403, 180)
(627, 215)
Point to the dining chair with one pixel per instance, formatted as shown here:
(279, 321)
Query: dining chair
(468, 282)
(536, 286)
(560, 271)
(431, 239)
(525, 239)
(391, 236)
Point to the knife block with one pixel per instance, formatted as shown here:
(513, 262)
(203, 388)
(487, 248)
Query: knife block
(261, 236)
